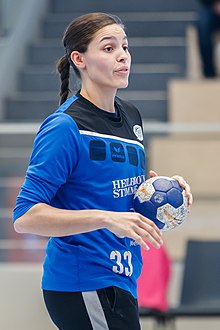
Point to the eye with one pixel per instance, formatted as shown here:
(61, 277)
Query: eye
(126, 48)
(108, 49)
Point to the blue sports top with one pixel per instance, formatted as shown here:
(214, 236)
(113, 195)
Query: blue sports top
(85, 158)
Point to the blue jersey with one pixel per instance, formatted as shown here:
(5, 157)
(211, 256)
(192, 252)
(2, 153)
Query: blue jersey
(85, 158)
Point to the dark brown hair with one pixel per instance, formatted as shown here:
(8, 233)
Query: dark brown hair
(77, 36)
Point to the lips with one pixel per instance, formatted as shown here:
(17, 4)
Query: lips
(123, 69)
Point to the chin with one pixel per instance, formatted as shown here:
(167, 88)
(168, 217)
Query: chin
(123, 85)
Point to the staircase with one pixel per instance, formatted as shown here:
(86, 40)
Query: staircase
(157, 35)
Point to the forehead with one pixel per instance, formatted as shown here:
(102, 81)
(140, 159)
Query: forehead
(113, 30)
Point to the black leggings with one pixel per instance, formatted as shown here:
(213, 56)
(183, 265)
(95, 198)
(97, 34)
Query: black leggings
(105, 309)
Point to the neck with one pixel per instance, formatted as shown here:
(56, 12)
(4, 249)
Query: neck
(101, 98)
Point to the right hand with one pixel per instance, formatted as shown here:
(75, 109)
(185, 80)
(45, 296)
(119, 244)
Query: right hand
(136, 227)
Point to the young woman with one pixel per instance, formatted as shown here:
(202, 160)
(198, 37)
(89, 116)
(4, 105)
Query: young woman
(87, 161)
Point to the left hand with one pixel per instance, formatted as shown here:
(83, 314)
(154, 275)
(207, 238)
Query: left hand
(182, 183)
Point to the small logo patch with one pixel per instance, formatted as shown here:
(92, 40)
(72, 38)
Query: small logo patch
(117, 152)
(138, 132)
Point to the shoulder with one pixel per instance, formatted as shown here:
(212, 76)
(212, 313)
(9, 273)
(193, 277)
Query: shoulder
(57, 139)
(57, 130)
(58, 122)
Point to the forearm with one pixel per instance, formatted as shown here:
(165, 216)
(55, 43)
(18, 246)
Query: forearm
(45, 220)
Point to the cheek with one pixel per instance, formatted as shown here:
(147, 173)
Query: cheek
(103, 64)
(101, 71)
(97, 66)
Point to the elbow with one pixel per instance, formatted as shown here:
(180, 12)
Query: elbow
(22, 225)
(19, 226)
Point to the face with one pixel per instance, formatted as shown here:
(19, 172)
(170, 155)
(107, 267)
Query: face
(106, 63)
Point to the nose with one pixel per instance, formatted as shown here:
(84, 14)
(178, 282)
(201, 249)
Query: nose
(123, 55)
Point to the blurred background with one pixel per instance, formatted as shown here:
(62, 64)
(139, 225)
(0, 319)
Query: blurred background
(180, 108)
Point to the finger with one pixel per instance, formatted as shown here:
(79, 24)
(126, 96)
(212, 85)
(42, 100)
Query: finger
(140, 241)
(147, 236)
(147, 228)
(188, 193)
(186, 186)
(143, 230)
(180, 179)
(190, 200)
(120, 236)
(149, 223)
(152, 174)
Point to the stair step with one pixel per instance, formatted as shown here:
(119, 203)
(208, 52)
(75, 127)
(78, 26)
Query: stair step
(152, 105)
(38, 81)
(121, 6)
(14, 161)
(143, 50)
(15, 140)
(55, 28)
(28, 110)
(135, 68)
(150, 16)
(9, 188)
(152, 110)
(49, 81)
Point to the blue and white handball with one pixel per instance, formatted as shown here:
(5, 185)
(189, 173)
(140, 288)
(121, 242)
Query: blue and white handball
(162, 200)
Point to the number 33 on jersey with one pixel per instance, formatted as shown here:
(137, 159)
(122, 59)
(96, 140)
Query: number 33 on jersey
(123, 262)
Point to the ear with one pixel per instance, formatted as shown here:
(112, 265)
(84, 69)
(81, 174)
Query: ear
(77, 59)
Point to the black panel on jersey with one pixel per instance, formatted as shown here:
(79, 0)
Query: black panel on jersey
(88, 117)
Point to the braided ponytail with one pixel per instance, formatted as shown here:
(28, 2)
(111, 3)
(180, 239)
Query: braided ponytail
(63, 67)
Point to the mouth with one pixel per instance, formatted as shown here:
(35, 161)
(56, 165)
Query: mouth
(123, 70)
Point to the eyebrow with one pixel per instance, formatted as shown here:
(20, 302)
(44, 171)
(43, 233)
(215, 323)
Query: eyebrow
(112, 38)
